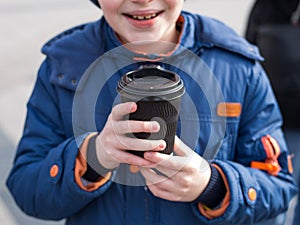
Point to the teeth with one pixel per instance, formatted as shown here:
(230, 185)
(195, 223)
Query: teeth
(147, 17)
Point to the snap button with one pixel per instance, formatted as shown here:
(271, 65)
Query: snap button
(54, 170)
(60, 76)
(134, 169)
(252, 194)
(74, 82)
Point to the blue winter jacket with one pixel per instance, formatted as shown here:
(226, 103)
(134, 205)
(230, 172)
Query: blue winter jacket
(220, 71)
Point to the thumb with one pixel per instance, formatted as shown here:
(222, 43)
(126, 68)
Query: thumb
(182, 149)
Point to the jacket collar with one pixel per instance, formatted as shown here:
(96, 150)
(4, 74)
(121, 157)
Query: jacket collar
(73, 51)
(215, 33)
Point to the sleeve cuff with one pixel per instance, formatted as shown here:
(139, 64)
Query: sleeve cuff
(211, 193)
(215, 191)
(94, 169)
(81, 168)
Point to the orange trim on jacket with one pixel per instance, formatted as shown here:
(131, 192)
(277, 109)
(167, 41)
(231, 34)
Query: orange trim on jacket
(272, 150)
(214, 213)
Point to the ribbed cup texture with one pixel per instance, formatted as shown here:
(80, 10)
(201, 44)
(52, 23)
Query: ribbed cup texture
(165, 113)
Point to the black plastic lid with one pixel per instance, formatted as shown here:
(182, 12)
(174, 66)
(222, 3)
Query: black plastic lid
(150, 81)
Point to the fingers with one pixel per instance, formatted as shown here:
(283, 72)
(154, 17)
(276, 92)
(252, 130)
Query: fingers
(184, 160)
(182, 149)
(121, 126)
(128, 143)
(161, 186)
(152, 177)
(133, 126)
(120, 110)
(114, 142)
(166, 161)
(125, 157)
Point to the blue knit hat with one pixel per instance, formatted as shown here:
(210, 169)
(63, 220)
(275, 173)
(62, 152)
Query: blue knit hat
(96, 3)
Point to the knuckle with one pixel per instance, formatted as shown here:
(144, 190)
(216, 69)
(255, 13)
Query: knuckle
(122, 144)
(172, 164)
(130, 126)
(182, 180)
(191, 170)
(121, 127)
(131, 159)
(146, 126)
(110, 116)
(110, 153)
(109, 124)
(139, 126)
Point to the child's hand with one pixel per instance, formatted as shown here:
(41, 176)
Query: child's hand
(186, 174)
(112, 142)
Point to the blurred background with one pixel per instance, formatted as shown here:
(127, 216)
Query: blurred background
(25, 26)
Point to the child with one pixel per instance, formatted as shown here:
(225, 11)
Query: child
(68, 167)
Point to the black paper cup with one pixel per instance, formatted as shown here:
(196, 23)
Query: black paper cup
(157, 93)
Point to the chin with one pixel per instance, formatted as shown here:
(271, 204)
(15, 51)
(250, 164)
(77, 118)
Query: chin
(140, 38)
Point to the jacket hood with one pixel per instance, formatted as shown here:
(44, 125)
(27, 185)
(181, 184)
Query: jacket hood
(209, 32)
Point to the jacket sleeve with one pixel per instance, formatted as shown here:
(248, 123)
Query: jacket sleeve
(255, 194)
(42, 179)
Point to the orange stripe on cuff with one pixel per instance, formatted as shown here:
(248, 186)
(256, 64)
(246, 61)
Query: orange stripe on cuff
(81, 167)
(214, 213)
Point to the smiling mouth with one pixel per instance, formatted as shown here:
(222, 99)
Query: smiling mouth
(143, 17)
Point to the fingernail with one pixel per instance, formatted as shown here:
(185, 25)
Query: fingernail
(147, 155)
(133, 107)
(162, 145)
(155, 126)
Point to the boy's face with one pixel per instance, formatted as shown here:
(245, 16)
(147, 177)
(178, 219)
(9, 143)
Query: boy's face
(143, 20)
